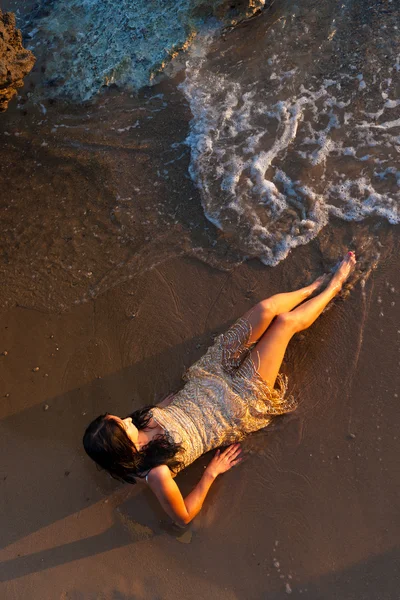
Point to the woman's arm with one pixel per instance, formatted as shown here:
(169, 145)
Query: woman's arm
(181, 510)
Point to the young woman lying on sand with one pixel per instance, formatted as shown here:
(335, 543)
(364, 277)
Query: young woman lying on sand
(229, 393)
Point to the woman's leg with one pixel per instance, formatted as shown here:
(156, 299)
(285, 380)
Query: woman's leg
(262, 314)
(268, 353)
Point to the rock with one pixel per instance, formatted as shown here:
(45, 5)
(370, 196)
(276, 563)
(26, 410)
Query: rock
(4, 353)
(15, 60)
(96, 44)
(35, 369)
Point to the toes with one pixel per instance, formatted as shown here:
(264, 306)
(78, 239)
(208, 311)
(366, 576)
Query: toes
(351, 257)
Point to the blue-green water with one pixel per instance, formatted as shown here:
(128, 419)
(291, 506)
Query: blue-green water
(93, 43)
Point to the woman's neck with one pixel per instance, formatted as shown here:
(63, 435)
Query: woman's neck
(146, 435)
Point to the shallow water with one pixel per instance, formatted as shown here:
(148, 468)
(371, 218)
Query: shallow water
(299, 125)
(256, 140)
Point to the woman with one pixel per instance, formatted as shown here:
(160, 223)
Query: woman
(229, 393)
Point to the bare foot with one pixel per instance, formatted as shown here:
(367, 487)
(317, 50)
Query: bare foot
(343, 271)
(316, 284)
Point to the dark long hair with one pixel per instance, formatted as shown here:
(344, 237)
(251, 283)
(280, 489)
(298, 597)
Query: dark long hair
(107, 443)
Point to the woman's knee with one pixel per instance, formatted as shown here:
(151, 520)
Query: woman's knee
(288, 322)
(268, 309)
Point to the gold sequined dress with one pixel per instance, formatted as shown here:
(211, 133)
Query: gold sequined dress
(223, 399)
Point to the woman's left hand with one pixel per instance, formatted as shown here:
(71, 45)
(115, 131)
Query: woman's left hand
(167, 400)
(225, 460)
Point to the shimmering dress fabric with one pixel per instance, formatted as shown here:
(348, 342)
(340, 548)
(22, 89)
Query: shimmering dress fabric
(224, 398)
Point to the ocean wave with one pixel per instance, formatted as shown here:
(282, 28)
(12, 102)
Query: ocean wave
(298, 128)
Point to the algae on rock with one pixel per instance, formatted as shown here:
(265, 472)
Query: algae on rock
(95, 43)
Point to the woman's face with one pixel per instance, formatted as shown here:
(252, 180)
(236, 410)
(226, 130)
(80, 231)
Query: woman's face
(131, 430)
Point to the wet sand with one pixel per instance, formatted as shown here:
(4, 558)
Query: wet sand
(312, 512)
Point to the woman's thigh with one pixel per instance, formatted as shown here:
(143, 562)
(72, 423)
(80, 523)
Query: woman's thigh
(268, 353)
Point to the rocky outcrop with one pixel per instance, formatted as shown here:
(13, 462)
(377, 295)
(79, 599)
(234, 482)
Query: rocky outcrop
(15, 60)
(123, 42)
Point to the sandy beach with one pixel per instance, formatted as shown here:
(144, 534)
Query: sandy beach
(112, 283)
(313, 511)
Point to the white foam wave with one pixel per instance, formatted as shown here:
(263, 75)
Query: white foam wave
(274, 156)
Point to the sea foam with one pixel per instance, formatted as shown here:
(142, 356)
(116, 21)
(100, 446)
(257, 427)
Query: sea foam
(277, 147)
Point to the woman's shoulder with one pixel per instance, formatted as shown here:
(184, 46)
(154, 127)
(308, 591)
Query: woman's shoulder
(158, 474)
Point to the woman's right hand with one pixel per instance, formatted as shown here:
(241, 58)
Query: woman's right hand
(225, 460)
